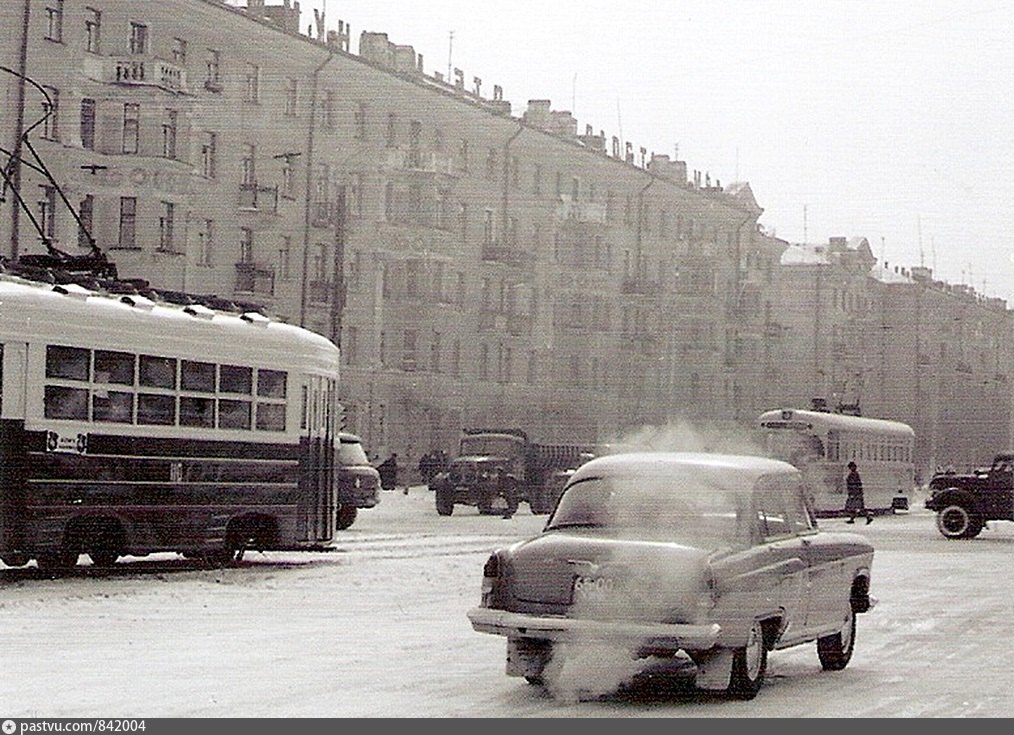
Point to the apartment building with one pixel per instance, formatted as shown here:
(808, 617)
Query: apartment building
(478, 266)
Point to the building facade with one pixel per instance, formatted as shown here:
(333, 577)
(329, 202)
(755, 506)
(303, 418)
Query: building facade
(477, 267)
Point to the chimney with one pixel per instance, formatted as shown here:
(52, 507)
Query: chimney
(537, 114)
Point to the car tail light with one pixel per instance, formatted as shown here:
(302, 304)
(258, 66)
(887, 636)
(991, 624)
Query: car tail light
(490, 577)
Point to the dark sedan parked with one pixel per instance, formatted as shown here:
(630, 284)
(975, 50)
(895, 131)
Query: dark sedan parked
(358, 480)
(715, 556)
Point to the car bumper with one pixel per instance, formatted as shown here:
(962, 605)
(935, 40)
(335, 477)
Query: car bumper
(360, 499)
(520, 625)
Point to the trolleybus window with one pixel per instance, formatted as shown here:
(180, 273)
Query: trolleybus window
(158, 372)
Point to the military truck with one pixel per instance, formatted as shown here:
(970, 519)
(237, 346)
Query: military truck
(497, 469)
(965, 502)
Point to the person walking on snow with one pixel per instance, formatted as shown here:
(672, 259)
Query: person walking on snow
(854, 502)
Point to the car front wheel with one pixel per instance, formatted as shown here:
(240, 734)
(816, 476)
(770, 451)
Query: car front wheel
(956, 521)
(835, 651)
(749, 665)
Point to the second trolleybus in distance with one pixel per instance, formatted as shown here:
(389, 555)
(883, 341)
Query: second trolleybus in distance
(130, 426)
(821, 444)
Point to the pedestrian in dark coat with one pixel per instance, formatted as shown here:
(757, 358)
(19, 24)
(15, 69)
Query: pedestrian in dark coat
(855, 504)
(388, 471)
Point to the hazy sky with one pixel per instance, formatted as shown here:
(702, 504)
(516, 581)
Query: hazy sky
(887, 120)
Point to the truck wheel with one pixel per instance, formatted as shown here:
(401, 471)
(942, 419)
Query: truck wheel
(956, 521)
(346, 516)
(445, 502)
(835, 651)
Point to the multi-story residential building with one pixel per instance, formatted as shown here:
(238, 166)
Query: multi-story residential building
(477, 267)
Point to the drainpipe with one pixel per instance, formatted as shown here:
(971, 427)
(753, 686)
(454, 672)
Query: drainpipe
(309, 185)
(640, 224)
(506, 175)
(19, 123)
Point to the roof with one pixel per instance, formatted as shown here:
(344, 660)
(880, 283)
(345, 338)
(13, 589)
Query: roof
(749, 467)
(826, 420)
(75, 316)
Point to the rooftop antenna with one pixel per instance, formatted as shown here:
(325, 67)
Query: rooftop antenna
(573, 95)
(450, 52)
(619, 118)
(883, 253)
(804, 225)
(918, 227)
(737, 163)
(933, 253)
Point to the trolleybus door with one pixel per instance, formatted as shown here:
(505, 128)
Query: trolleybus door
(13, 370)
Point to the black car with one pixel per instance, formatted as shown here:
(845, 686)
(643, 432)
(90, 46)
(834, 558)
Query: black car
(358, 480)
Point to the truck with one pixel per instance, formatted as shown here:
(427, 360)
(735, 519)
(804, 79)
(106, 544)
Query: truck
(497, 469)
(964, 503)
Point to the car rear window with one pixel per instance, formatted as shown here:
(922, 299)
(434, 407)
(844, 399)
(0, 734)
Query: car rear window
(693, 510)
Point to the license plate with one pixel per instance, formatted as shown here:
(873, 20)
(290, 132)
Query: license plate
(589, 589)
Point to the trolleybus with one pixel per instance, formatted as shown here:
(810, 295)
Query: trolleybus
(129, 426)
(821, 444)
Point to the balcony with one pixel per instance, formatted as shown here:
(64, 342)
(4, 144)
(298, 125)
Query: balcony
(255, 278)
(508, 256)
(418, 161)
(137, 71)
(258, 198)
(592, 212)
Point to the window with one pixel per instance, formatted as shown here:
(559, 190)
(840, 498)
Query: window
(245, 245)
(487, 227)
(212, 66)
(85, 212)
(251, 83)
(491, 163)
(205, 242)
(128, 222)
(537, 180)
(271, 390)
(284, 258)
(247, 164)
(93, 30)
(54, 22)
(47, 213)
(463, 156)
(138, 38)
(287, 189)
(51, 109)
(88, 124)
(291, 96)
(392, 129)
(131, 127)
(360, 121)
(169, 134)
(179, 51)
(408, 355)
(327, 110)
(483, 361)
(435, 352)
(771, 510)
(165, 227)
(208, 155)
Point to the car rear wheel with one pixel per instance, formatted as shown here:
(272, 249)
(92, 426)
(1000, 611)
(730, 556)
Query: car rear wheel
(749, 665)
(956, 521)
(346, 516)
(835, 651)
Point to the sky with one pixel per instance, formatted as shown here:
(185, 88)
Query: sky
(890, 121)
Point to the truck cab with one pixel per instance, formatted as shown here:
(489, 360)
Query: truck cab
(487, 473)
(965, 502)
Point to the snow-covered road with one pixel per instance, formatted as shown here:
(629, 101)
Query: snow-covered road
(378, 628)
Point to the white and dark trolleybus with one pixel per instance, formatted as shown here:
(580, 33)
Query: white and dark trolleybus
(821, 444)
(130, 426)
